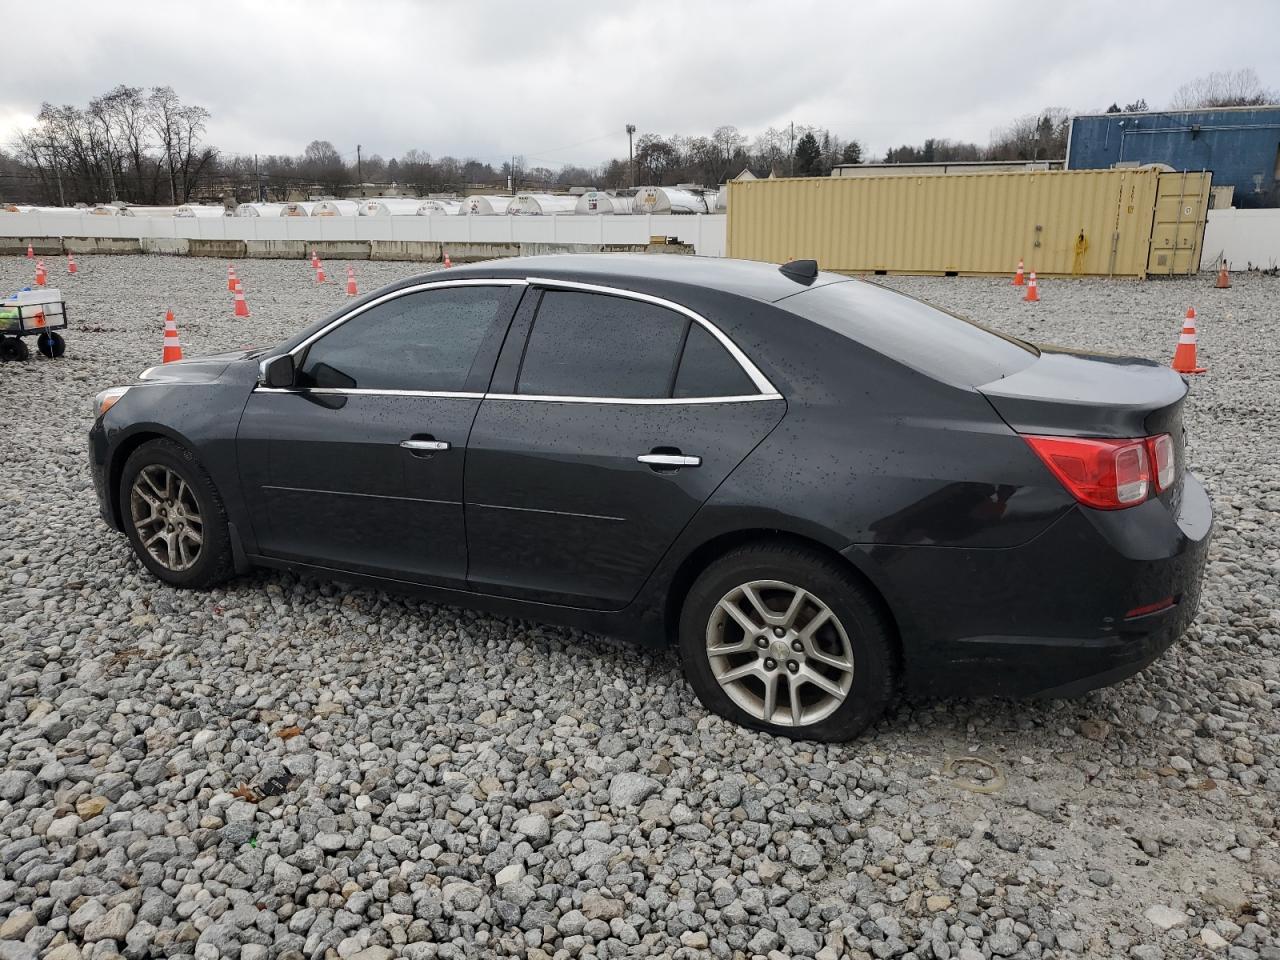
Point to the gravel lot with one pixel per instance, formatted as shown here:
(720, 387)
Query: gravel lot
(437, 783)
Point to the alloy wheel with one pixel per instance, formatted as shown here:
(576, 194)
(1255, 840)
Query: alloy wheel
(167, 517)
(780, 653)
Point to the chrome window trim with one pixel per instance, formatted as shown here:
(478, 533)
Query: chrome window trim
(750, 369)
(528, 397)
(761, 382)
(360, 392)
(635, 401)
(403, 292)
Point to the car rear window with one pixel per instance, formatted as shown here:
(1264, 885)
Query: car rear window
(912, 332)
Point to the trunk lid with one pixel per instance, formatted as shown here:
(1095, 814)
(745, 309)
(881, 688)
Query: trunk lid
(1089, 395)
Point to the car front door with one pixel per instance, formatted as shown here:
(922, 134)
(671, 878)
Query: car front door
(614, 417)
(358, 465)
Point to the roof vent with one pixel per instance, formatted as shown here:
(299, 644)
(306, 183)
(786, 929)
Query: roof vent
(801, 271)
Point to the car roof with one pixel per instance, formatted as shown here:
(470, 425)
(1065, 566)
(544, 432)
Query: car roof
(748, 278)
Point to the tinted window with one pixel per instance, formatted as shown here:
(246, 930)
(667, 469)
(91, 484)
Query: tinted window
(421, 341)
(707, 369)
(592, 345)
(912, 332)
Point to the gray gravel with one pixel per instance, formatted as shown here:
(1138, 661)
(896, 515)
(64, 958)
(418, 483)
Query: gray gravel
(431, 782)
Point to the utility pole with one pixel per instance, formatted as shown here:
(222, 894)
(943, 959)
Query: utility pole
(631, 153)
(792, 170)
(359, 170)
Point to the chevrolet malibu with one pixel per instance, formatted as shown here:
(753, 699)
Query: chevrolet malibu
(820, 491)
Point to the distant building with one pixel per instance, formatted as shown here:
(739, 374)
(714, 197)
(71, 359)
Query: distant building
(930, 169)
(1240, 145)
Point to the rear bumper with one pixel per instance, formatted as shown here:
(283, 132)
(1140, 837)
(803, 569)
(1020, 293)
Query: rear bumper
(1050, 618)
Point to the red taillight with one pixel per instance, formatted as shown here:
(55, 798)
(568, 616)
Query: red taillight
(1106, 474)
(1148, 608)
(1163, 464)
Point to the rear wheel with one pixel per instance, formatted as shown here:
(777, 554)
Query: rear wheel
(173, 516)
(784, 639)
(51, 344)
(12, 348)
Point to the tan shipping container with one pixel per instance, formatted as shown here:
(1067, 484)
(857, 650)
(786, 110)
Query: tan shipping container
(1061, 223)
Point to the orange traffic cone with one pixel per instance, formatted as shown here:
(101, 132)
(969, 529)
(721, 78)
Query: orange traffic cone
(1033, 290)
(71, 264)
(231, 278)
(447, 262)
(40, 274)
(315, 261)
(1224, 278)
(1018, 281)
(172, 348)
(30, 251)
(351, 282)
(242, 307)
(1184, 358)
(320, 278)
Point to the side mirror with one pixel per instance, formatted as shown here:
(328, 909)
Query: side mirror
(276, 371)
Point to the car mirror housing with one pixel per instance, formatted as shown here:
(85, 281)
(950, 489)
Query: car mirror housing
(276, 372)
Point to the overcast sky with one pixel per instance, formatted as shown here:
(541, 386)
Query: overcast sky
(556, 81)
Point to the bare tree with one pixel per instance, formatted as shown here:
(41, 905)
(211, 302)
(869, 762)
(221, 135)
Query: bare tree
(729, 141)
(179, 128)
(1223, 88)
(1036, 136)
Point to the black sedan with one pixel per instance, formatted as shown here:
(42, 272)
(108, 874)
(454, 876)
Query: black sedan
(820, 490)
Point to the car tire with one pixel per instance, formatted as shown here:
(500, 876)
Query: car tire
(171, 524)
(850, 650)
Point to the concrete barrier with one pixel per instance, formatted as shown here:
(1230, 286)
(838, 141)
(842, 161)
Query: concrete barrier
(170, 246)
(276, 249)
(221, 249)
(340, 249)
(420, 251)
(101, 245)
(41, 246)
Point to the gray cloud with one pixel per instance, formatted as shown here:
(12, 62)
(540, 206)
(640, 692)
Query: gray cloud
(557, 81)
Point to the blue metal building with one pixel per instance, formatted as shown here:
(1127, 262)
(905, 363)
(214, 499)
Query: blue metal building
(1240, 145)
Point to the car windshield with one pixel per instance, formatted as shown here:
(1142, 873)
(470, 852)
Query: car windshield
(914, 333)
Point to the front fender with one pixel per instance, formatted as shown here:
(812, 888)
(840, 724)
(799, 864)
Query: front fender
(202, 417)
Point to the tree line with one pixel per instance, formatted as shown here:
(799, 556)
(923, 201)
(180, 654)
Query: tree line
(145, 146)
(130, 144)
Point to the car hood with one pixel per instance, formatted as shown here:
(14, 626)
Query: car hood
(196, 369)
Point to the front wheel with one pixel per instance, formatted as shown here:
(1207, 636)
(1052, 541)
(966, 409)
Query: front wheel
(173, 516)
(785, 639)
(12, 348)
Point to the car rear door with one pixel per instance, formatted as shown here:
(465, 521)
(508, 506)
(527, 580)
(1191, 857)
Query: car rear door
(613, 418)
(358, 466)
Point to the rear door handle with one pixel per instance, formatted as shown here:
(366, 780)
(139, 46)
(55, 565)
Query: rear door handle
(431, 445)
(669, 460)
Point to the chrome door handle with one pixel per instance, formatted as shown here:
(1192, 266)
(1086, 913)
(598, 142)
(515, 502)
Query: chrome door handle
(669, 460)
(425, 444)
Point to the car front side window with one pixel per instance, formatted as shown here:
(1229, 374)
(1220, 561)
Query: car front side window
(422, 341)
